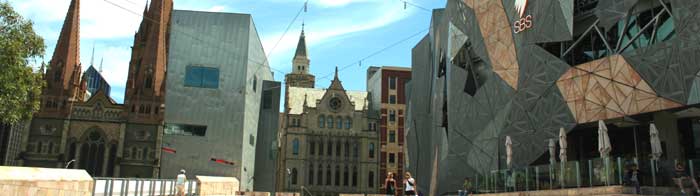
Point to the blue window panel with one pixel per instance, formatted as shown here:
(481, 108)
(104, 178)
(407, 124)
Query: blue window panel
(193, 76)
(210, 78)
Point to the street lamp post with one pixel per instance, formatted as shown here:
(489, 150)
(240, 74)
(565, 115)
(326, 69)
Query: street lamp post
(289, 180)
(69, 162)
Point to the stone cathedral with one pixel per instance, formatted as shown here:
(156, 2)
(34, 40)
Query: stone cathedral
(76, 129)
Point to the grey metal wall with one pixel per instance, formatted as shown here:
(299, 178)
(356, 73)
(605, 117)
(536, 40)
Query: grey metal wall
(266, 142)
(530, 113)
(229, 42)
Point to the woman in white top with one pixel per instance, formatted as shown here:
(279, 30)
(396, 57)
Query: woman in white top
(410, 184)
(180, 183)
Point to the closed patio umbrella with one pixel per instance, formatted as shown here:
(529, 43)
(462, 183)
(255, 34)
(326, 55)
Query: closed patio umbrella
(562, 145)
(509, 152)
(552, 155)
(604, 146)
(656, 150)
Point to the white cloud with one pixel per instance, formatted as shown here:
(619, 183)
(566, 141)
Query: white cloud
(115, 65)
(217, 8)
(339, 3)
(98, 18)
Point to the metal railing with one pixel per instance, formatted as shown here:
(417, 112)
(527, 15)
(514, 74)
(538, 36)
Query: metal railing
(140, 187)
(578, 174)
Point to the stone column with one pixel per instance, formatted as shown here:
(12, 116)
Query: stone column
(158, 150)
(120, 149)
(62, 147)
(667, 123)
(105, 163)
(78, 154)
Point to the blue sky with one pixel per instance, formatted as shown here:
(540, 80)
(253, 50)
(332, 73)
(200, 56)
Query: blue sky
(339, 32)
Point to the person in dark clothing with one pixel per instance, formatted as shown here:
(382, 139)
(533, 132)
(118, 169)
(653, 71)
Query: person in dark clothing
(633, 178)
(390, 184)
(682, 175)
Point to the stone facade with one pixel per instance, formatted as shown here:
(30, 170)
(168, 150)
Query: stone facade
(327, 144)
(97, 134)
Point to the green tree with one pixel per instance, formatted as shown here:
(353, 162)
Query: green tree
(20, 85)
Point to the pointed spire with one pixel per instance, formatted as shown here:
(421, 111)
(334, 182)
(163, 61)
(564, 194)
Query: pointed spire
(336, 73)
(92, 59)
(305, 104)
(66, 55)
(101, 61)
(336, 84)
(301, 46)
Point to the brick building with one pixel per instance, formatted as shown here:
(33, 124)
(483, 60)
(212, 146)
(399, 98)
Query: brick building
(386, 86)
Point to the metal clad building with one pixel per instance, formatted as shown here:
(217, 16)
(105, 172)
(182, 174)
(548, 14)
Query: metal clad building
(486, 71)
(215, 83)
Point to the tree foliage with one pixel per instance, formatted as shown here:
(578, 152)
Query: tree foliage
(20, 85)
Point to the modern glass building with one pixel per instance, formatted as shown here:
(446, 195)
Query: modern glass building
(526, 69)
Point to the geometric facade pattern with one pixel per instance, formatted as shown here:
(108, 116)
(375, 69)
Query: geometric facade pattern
(518, 85)
(608, 88)
(496, 31)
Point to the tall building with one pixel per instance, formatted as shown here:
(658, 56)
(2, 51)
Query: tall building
(487, 70)
(267, 144)
(220, 88)
(10, 142)
(96, 82)
(386, 87)
(96, 133)
(329, 141)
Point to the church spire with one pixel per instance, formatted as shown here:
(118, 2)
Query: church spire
(63, 71)
(301, 59)
(336, 84)
(66, 55)
(300, 76)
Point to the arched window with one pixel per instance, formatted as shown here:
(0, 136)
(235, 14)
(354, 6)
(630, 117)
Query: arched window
(347, 149)
(337, 175)
(320, 148)
(340, 123)
(39, 147)
(294, 176)
(50, 149)
(354, 176)
(355, 150)
(295, 146)
(328, 175)
(311, 175)
(370, 179)
(345, 176)
(337, 149)
(321, 121)
(312, 147)
(92, 153)
(330, 122)
(348, 123)
(329, 151)
(371, 150)
(319, 181)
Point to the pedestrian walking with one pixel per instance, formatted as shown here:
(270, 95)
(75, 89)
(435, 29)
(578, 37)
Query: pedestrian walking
(410, 184)
(682, 175)
(390, 184)
(466, 187)
(633, 178)
(180, 183)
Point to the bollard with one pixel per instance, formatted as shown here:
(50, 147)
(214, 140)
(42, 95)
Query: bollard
(578, 175)
(590, 173)
(537, 178)
(527, 177)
